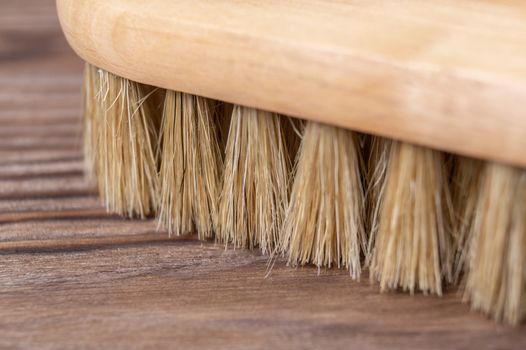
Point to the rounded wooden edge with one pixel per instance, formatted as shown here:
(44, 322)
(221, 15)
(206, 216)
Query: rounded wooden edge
(433, 108)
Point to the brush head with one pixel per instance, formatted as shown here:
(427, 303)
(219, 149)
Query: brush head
(169, 163)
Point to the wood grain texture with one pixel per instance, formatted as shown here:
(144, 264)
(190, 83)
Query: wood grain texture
(446, 74)
(72, 276)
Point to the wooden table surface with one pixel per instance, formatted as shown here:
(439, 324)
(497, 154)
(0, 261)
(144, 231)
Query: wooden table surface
(72, 276)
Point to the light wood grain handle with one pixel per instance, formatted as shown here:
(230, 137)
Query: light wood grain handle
(447, 74)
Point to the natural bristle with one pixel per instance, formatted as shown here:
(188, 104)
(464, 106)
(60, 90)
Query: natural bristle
(465, 193)
(91, 119)
(378, 160)
(125, 146)
(324, 224)
(412, 247)
(255, 180)
(496, 270)
(318, 194)
(190, 165)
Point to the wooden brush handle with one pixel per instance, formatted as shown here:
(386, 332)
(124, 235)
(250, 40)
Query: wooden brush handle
(447, 74)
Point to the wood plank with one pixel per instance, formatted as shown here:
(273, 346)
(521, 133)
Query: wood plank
(72, 276)
(193, 295)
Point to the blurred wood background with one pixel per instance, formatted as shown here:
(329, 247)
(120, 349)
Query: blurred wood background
(72, 276)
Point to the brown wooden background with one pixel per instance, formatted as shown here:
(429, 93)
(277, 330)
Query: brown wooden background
(72, 276)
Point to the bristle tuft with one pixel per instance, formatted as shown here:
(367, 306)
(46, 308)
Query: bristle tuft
(190, 166)
(324, 222)
(91, 119)
(412, 247)
(465, 186)
(496, 276)
(378, 160)
(126, 146)
(255, 181)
